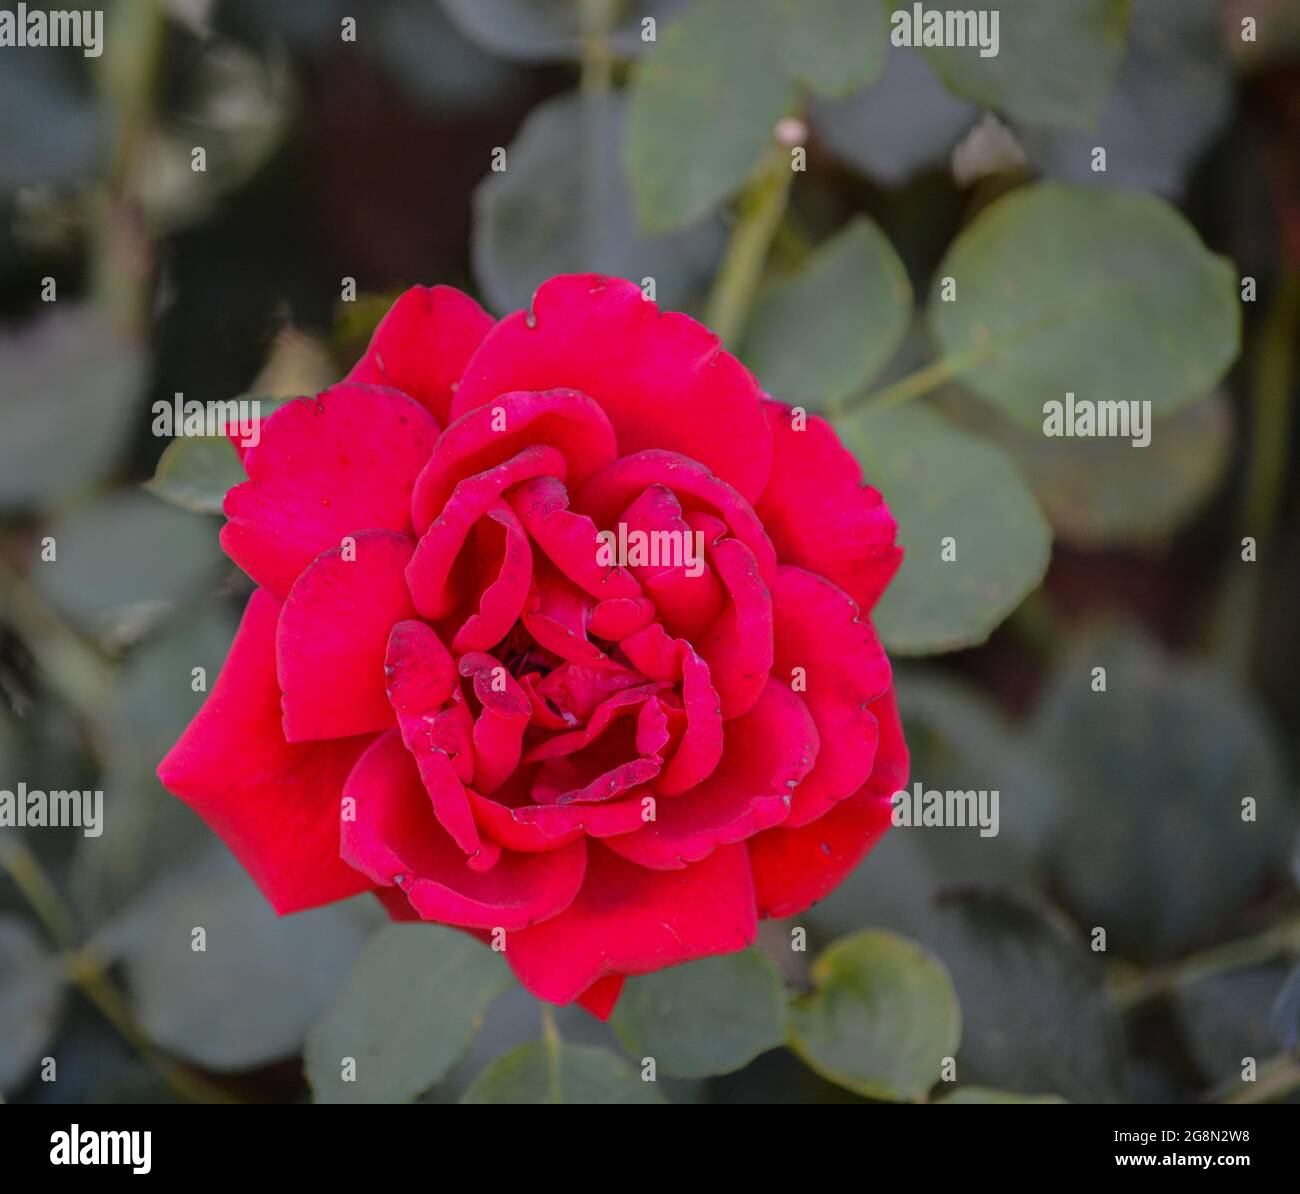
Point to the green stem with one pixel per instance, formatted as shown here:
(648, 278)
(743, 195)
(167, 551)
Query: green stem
(761, 209)
(597, 18)
(84, 969)
(1278, 1077)
(914, 385)
(1272, 376)
(1278, 940)
(551, 1042)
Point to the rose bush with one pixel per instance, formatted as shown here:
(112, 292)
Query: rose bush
(440, 694)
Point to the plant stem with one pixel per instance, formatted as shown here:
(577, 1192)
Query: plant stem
(1280, 939)
(84, 969)
(597, 17)
(551, 1042)
(1272, 375)
(761, 208)
(1279, 1076)
(914, 385)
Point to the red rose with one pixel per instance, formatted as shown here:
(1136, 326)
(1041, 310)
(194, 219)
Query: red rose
(621, 764)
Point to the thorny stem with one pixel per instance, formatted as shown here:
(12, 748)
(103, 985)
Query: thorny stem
(761, 208)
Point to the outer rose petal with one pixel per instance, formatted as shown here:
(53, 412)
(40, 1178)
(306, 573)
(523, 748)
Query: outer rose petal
(420, 347)
(629, 920)
(844, 668)
(275, 805)
(333, 636)
(794, 868)
(663, 379)
(343, 462)
(599, 998)
(767, 753)
(397, 841)
(821, 516)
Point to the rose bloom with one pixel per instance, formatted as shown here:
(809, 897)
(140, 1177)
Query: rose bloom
(443, 692)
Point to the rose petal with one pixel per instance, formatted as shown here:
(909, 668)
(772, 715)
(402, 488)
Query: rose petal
(794, 868)
(505, 575)
(767, 753)
(421, 346)
(499, 729)
(844, 669)
(738, 647)
(333, 636)
(663, 379)
(819, 513)
(629, 920)
(480, 439)
(396, 840)
(330, 466)
(275, 805)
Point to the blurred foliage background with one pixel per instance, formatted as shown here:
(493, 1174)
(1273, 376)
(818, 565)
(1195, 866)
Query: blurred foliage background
(331, 159)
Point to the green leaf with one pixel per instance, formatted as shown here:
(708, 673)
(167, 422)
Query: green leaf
(123, 560)
(941, 482)
(707, 1017)
(560, 1073)
(1107, 295)
(818, 337)
(906, 121)
(1173, 95)
(1225, 1017)
(532, 221)
(703, 106)
(250, 996)
(548, 30)
(835, 46)
(68, 382)
(1036, 1016)
(32, 998)
(982, 1094)
(882, 1019)
(1054, 65)
(1104, 491)
(1154, 844)
(414, 1001)
(195, 472)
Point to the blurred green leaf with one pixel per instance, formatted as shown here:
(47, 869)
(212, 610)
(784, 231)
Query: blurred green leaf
(1035, 1013)
(1284, 1017)
(703, 106)
(262, 981)
(902, 123)
(195, 472)
(835, 46)
(1110, 296)
(31, 1001)
(123, 561)
(550, 30)
(1054, 65)
(1152, 845)
(68, 381)
(563, 1073)
(941, 482)
(1227, 1017)
(707, 1017)
(1172, 96)
(982, 1094)
(882, 1019)
(816, 338)
(411, 1007)
(531, 221)
(1105, 491)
